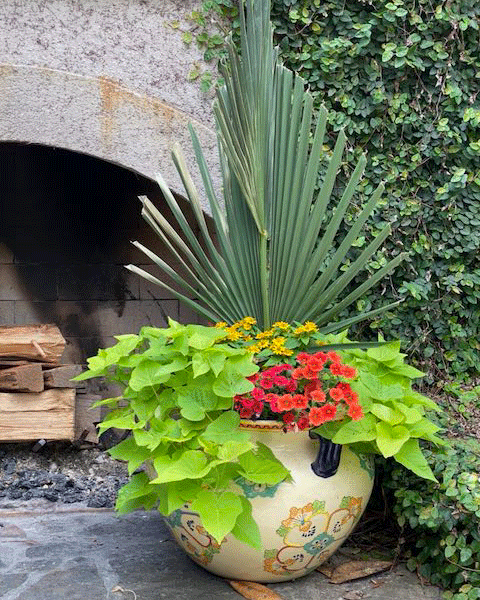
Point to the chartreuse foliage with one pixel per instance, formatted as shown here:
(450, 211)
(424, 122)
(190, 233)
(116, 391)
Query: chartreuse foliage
(276, 252)
(177, 401)
(395, 415)
(179, 383)
(445, 518)
(402, 77)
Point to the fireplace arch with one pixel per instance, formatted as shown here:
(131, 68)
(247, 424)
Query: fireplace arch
(99, 89)
(100, 118)
(67, 221)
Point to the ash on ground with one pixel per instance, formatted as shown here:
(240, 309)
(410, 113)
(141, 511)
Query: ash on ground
(58, 474)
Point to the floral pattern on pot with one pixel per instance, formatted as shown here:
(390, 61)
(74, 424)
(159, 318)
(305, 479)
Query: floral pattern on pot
(191, 535)
(302, 525)
(307, 534)
(255, 490)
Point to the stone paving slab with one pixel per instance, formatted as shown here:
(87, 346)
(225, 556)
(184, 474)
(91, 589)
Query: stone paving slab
(98, 555)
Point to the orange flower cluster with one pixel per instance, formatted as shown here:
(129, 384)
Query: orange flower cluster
(303, 395)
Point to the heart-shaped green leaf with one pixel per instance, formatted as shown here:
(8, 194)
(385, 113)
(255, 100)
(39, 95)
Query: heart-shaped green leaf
(391, 438)
(218, 512)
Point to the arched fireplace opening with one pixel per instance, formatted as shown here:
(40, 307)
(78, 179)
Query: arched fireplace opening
(66, 221)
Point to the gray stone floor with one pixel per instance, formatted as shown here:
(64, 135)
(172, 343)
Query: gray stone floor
(96, 555)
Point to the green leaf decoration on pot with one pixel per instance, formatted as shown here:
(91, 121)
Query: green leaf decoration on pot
(319, 543)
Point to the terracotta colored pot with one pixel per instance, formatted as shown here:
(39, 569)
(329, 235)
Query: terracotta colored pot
(301, 523)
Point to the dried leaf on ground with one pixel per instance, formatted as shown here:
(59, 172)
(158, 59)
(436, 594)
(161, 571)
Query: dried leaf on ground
(327, 569)
(354, 569)
(254, 591)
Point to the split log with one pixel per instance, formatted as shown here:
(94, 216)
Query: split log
(42, 343)
(86, 417)
(24, 378)
(49, 415)
(5, 363)
(60, 377)
(12, 363)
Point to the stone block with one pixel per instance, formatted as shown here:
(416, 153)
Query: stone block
(97, 282)
(29, 313)
(32, 248)
(77, 350)
(6, 255)
(134, 315)
(35, 282)
(89, 326)
(10, 286)
(7, 312)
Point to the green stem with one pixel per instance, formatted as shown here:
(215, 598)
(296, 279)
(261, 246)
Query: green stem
(264, 280)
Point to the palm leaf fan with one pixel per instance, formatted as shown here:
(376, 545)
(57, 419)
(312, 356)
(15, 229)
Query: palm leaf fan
(276, 255)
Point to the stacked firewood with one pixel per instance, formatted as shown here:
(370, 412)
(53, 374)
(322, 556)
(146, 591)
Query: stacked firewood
(38, 400)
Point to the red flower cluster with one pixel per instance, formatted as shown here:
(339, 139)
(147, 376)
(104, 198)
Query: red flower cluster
(302, 395)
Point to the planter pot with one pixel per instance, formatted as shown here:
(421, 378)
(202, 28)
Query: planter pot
(301, 523)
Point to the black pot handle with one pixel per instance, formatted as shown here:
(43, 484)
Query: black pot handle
(328, 458)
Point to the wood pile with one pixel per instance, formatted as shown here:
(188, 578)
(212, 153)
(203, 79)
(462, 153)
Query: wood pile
(38, 400)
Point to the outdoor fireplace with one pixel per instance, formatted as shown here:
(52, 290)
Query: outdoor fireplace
(66, 222)
(93, 100)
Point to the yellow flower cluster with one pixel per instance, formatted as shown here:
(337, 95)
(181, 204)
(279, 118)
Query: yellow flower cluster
(247, 322)
(264, 334)
(277, 346)
(307, 327)
(238, 330)
(282, 326)
(258, 346)
(233, 334)
(273, 339)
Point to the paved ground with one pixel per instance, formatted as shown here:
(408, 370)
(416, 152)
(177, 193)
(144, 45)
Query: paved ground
(96, 555)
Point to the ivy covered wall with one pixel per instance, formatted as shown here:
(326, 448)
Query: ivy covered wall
(402, 77)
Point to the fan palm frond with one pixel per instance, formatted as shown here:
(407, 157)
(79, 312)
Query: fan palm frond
(274, 251)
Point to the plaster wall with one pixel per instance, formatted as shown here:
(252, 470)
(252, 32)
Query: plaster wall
(106, 78)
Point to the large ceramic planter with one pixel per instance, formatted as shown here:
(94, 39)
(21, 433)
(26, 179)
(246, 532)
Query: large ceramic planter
(301, 523)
